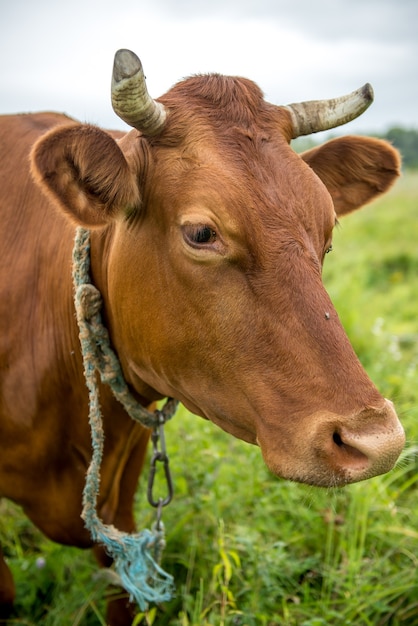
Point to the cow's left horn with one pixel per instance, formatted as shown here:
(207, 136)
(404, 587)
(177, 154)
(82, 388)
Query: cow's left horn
(130, 98)
(316, 115)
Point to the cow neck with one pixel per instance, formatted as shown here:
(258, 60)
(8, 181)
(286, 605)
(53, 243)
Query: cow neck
(95, 342)
(136, 556)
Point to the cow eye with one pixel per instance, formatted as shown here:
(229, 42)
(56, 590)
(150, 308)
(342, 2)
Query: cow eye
(328, 250)
(199, 234)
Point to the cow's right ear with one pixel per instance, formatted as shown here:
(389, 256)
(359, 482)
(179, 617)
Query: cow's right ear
(83, 169)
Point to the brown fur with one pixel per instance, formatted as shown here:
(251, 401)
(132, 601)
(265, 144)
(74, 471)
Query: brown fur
(83, 154)
(240, 329)
(355, 170)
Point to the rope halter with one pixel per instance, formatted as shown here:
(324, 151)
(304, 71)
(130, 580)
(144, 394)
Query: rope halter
(136, 556)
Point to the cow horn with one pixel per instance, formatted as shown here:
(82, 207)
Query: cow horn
(316, 115)
(130, 98)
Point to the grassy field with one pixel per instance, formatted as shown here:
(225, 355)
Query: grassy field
(247, 549)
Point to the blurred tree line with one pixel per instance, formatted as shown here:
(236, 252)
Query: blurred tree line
(404, 139)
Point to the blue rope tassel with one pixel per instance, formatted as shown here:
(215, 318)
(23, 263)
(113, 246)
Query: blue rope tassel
(136, 556)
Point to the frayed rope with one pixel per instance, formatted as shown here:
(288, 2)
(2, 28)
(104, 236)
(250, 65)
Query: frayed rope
(136, 556)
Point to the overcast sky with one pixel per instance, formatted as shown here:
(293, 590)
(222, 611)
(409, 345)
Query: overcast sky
(58, 55)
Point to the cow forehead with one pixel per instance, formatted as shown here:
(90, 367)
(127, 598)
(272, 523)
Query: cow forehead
(247, 180)
(224, 152)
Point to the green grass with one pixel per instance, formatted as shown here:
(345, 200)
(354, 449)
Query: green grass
(248, 549)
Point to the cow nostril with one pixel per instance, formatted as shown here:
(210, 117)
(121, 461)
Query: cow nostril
(348, 452)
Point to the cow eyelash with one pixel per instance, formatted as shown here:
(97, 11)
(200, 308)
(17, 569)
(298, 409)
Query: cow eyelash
(199, 234)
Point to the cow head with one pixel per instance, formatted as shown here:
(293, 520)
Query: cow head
(211, 234)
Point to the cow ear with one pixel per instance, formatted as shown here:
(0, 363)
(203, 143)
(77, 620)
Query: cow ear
(354, 169)
(83, 169)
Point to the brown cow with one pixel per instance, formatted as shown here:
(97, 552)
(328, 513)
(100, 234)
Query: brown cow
(208, 238)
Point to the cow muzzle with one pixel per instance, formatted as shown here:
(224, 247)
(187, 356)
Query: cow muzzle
(366, 444)
(337, 450)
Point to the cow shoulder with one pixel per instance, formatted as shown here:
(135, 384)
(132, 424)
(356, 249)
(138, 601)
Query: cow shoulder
(354, 169)
(85, 171)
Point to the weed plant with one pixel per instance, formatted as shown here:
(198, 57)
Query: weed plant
(248, 549)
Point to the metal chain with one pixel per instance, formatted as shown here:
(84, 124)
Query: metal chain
(159, 455)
